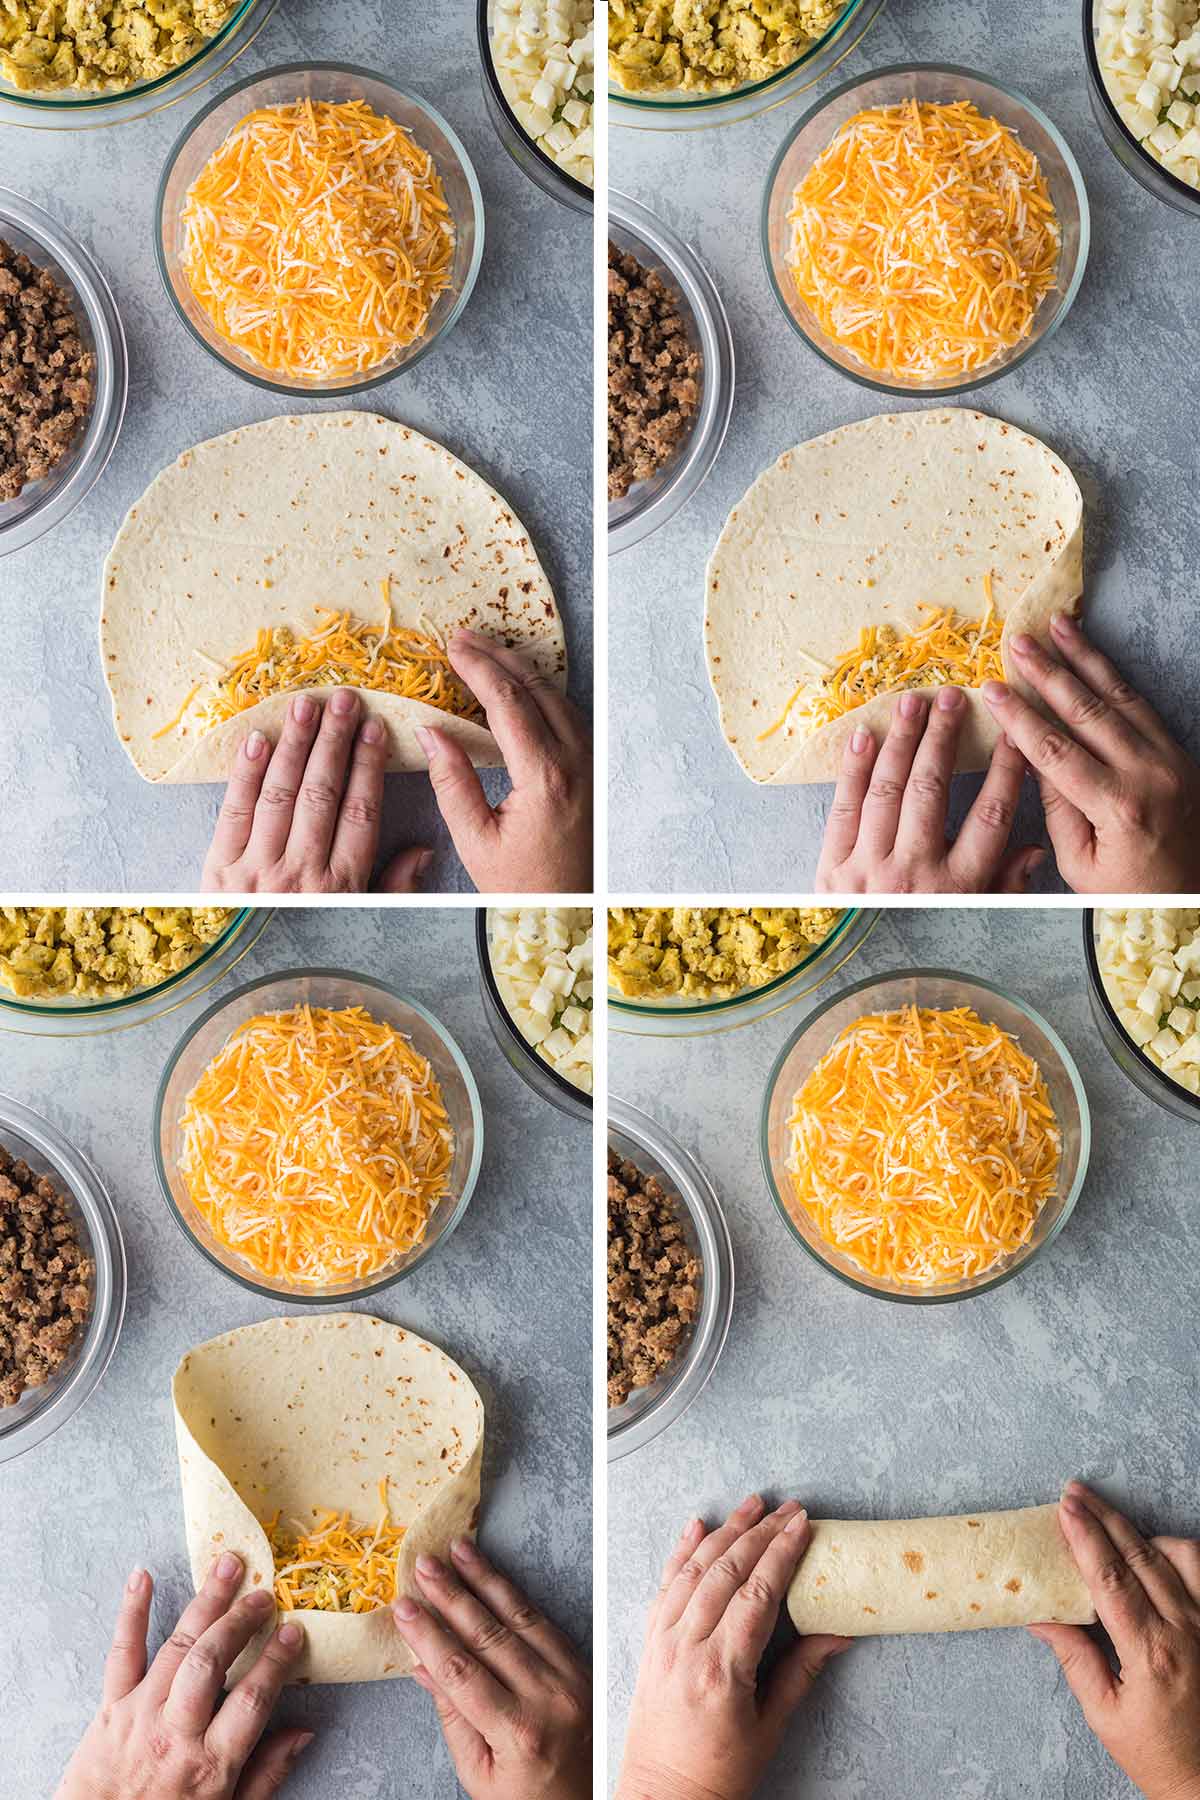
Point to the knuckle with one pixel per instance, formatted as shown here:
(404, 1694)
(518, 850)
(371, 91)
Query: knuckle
(320, 797)
(531, 1735)
(203, 1660)
(997, 815)
(183, 1641)
(884, 791)
(358, 810)
(254, 1699)
(1162, 1658)
(925, 785)
(161, 1746)
(1119, 693)
(1170, 783)
(1134, 809)
(1051, 749)
(524, 1617)
(454, 1670)
(726, 1568)
(756, 1592)
(556, 781)
(507, 691)
(691, 1570)
(275, 797)
(1114, 1575)
(490, 1635)
(1085, 709)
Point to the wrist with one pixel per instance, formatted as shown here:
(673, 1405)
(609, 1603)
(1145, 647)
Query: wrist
(654, 1781)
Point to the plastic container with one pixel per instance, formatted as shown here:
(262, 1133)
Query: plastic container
(43, 504)
(939, 989)
(329, 988)
(533, 1069)
(930, 83)
(40, 1412)
(692, 112)
(650, 1410)
(696, 1018)
(72, 111)
(1125, 147)
(90, 1018)
(541, 169)
(333, 82)
(648, 504)
(1149, 1080)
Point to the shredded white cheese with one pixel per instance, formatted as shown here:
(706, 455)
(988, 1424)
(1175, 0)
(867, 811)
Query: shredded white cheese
(1150, 964)
(544, 55)
(542, 961)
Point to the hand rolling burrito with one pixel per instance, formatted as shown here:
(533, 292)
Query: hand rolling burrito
(336, 549)
(901, 552)
(877, 1578)
(296, 1419)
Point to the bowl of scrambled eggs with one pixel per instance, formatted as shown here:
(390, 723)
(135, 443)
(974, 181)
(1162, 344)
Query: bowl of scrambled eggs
(76, 971)
(95, 64)
(681, 64)
(682, 971)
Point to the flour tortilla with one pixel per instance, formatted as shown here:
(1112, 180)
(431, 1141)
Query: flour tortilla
(856, 528)
(259, 527)
(880, 1578)
(300, 1414)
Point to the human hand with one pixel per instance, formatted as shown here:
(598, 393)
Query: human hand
(513, 1698)
(1122, 800)
(1147, 1595)
(539, 839)
(886, 830)
(303, 818)
(155, 1736)
(701, 1728)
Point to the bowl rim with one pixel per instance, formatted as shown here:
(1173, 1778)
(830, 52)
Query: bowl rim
(699, 1196)
(94, 293)
(1178, 191)
(90, 1009)
(106, 1245)
(360, 384)
(94, 99)
(577, 191)
(1161, 1080)
(386, 1279)
(712, 102)
(930, 1297)
(715, 1008)
(975, 378)
(483, 948)
(699, 456)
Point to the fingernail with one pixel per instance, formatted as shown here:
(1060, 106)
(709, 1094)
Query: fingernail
(372, 731)
(429, 1566)
(304, 710)
(344, 702)
(1076, 1489)
(1034, 860)
(290, 1636)
(301, 1745)
(424, 862)
(795, 1526)
(136, 1578)
(427, 741)
(1063, 623)
(950, 698)
(1023, 646)
(786, 1508)
(254, 746)
(467, 636)
(994, 692)
(261, 1600)
(749, 1503)
(463, 1550)
(406, 1609)
(912, 706)
(1073, 1506)
(859, 741)
(228, 1566)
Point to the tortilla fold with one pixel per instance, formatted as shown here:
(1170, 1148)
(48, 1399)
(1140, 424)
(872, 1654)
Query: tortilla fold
(297, 1416)
(857, 528)
(879, 1578)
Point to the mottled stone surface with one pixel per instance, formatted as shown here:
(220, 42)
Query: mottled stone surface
(683, 816)
(507, 1296)
(509, 391)
(1084, 1364)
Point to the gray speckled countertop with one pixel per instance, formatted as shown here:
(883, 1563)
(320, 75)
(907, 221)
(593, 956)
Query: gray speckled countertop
(1084, 1364)
(1103, 392)
(507, 1296)
(509, 391)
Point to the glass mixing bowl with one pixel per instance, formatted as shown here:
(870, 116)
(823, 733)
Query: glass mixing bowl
(1149, 1080)
(533, 1069)
(529, 157)
(1125, 147)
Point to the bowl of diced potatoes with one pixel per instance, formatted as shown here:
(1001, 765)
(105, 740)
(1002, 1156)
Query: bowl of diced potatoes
(1143, 69)
(536, 974)
(1143, 968)
(538, 61)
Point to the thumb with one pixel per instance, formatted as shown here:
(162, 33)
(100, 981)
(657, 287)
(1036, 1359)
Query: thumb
(792, 1678)
(271, 1764)
(457, 790)
(467, 1746)
(1015, 871)
(401, 874)
(1083, 1663)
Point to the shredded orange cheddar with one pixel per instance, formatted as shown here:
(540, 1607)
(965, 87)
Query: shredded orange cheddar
(316, 1145)
(924, 1146)
(337, 1566)
(924, 239)
(317, 238)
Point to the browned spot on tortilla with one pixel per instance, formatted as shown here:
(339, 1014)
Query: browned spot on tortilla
(914, 1560)
(820, 1581)
(1013, 1586)
(975, 1606)
(931, 1593)
(975, 1524)
(871, 1610)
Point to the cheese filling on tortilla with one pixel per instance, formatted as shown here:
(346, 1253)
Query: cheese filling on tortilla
(335, 1565)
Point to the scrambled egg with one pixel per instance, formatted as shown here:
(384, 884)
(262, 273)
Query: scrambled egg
(100, 952)
(102, 44)
(704, 46)
(708, 952)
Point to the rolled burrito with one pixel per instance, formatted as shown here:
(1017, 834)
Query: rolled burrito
(877, 1578)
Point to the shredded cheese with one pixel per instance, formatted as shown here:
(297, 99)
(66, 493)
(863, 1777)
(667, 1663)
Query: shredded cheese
(340, 652)
(924, 1146)
(337, 1566)
(316, 1145)
(924, 239)
(945, 650)
(317, 238)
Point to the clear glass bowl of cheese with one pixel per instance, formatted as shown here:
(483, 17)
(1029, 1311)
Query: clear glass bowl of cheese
(939, 990)
(1138, 1061)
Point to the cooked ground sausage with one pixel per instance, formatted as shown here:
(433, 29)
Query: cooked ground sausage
(654, 373)
(45, 373)
(45, 1279)
(653, 1280)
